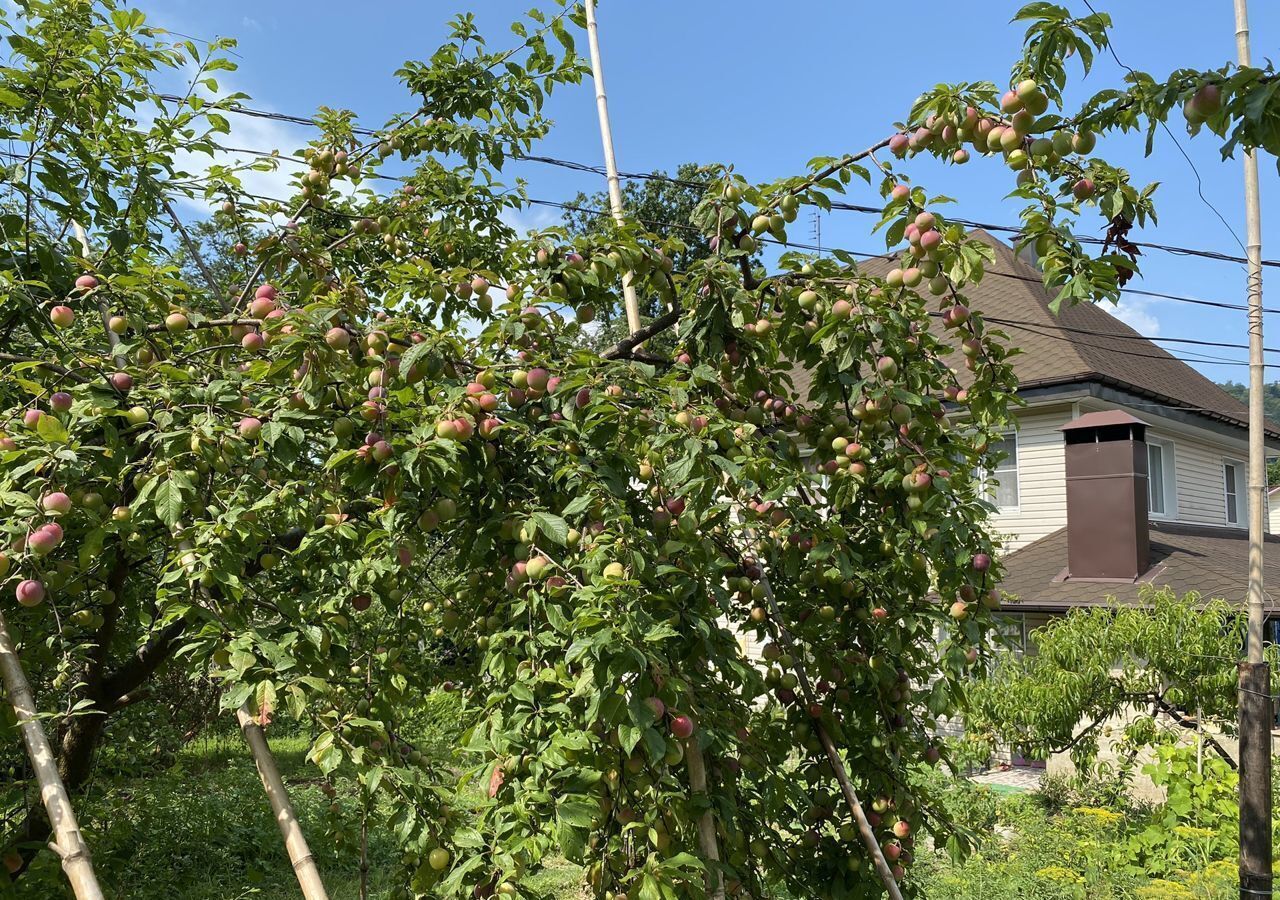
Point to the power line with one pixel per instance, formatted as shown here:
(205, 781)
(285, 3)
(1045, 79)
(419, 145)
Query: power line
(701, 185)
(1165, 127)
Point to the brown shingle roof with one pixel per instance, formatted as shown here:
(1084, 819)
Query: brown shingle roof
(1081, 344)
(1211, 561)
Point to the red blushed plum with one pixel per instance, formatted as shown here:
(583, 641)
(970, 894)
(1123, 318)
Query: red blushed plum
(250, 427)
(30, 592)
(56, 503)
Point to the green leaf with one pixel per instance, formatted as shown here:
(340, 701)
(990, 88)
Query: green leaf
(576, 811)
(552, 526)
(168, 502)
(51, 430)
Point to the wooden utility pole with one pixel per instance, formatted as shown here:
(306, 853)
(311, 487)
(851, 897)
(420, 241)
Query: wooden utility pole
(67, 840)
(610, 162)
(1255, 676)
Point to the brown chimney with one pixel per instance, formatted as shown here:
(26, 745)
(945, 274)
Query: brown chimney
(1108, 535)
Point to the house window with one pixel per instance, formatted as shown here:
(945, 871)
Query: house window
(1011, 634)
(1161, 479)
(1233, 485)
(1001, 483)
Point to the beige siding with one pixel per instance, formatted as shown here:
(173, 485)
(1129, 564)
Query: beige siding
(1198, 455)
(1201, 499)
(1042, 485)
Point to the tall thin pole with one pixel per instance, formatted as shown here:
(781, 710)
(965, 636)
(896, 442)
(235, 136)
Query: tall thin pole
(68, 842)
(1255, 677)
(610, 162)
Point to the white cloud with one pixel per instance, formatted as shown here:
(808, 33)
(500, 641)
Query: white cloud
(1138, 315)
(531, 218)
(251, 23)
(249, 133)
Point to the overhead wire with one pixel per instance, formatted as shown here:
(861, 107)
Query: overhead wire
(700, 185)
(1165, 127)
(869, 255)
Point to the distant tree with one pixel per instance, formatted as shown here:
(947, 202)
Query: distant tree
(1271, 403)
(216, 242)
(1163, 665)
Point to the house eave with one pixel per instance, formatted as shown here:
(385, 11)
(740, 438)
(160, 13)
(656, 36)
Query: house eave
(1102, 387)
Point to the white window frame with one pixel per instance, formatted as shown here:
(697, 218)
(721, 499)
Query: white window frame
(1011, 434)
(1241, 493)
(1169, 471)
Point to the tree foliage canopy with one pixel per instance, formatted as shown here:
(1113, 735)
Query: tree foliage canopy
(392, 442)
(1165, 663)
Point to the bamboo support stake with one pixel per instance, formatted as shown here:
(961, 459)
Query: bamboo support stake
(833, 755)
(295, 842)
(610, 162)
(706, 822)
(68, 842)
(304, 864)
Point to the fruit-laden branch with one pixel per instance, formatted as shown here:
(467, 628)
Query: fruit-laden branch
(833, 755)
(817, 177)
(157, 327)
(44, 364)
(262, 261)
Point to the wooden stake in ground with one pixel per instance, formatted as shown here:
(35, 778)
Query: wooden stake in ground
(706, 822)
(304, 864)
(295, 842)
(833, 755)
(68, 842)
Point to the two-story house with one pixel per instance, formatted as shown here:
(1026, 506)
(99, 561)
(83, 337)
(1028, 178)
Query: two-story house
(1126, 466)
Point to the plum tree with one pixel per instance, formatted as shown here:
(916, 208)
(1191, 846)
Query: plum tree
(382, 428)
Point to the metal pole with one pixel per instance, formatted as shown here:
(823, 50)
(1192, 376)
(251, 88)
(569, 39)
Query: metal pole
(68, 843)
(1255, 680)
(610, 162)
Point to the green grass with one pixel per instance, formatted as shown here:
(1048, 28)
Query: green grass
(203, 830)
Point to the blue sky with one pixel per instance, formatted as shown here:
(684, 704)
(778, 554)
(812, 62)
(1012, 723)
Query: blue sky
(768, 85)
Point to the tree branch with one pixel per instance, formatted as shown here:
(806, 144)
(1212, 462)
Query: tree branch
(194, 250)
(139, 667)
(623, 348)
(1192, 724)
